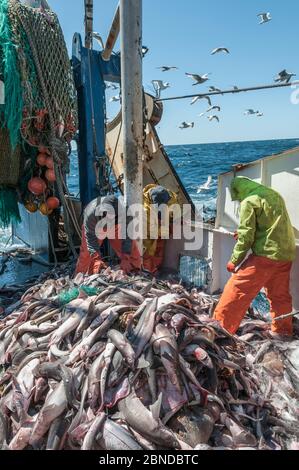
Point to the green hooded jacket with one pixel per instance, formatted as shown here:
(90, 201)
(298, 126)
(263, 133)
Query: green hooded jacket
(265, 226)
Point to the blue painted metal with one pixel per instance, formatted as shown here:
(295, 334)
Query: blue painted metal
(90, 73)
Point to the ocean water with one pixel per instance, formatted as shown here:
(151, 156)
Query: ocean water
(194, 163)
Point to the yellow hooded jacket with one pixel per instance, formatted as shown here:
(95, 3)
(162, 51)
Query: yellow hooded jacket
(265, 226)
(150, 245)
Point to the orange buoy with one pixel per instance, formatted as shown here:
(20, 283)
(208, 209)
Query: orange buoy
(50, 175)
(31, 207)
(44, 209)
(53, 203)
(49, 163)
(43, 149)
(37, 186)
(42, 159)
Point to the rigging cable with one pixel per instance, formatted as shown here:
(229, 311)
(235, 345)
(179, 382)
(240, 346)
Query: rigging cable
(233, 91)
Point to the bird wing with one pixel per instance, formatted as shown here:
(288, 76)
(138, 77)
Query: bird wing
(194, 76)
(157, 83)
(208, 100)
(196, 98)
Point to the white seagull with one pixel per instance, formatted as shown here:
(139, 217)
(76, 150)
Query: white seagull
(284, 76)
(166, 68)
(186, 125)
(220, 49)
(201, 98)
(216, 108)
(265, 17)
(210, 118)
(144, 50)
(159, 86)
(199, 79)
(114, 98)
(206, 186)
(259, 114)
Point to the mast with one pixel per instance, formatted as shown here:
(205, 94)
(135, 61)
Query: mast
(132, 99)
(88, 23)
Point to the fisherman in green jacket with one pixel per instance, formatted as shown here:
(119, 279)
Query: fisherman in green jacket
(265, 229)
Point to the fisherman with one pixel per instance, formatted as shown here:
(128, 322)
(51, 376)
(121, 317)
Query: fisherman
(156, 198)
(102, 221)
(266, 229)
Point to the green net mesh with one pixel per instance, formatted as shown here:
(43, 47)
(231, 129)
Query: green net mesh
(67, 296)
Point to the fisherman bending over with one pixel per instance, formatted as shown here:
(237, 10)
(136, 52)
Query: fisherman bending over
(265, 228)
(153, 197)
(93, 235)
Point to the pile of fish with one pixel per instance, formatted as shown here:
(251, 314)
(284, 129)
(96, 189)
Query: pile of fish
(140, 365)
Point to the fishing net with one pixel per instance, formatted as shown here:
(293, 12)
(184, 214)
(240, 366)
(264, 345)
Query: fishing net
(41, 109)
(47, 78)
(67, 296)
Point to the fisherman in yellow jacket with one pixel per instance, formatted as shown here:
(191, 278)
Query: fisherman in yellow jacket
(265, 229)
(155, 196)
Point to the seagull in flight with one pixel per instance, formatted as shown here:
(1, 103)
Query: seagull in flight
(196, 98)
(259, 114)
(213, 89)
(112, 86)
(265, 17)
(210, 118)
(220, 49)
(159, 86)
(114, 98)
(250, 112)
(186, 125)
(166, 68)
(206, 186)
(216, 108)
(284, 76)
(144, 50)
(199, 79)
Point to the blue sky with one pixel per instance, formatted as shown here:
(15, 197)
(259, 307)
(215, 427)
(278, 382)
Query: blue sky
(183, 33)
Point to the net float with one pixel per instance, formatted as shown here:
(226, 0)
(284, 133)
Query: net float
(44, 209)
(31, 207)
(49, 163)
(42, 159)
(43, 149)
(37, 186)
(50, 175)
(53, 203)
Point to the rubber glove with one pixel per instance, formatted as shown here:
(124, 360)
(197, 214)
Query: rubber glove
(231, 267)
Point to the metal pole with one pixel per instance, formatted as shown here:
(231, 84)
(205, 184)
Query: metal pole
(132, 99)
(112, 36)
(88, 23)
(233, 91)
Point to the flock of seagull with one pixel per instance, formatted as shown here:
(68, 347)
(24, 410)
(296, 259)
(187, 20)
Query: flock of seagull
(159, 85)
